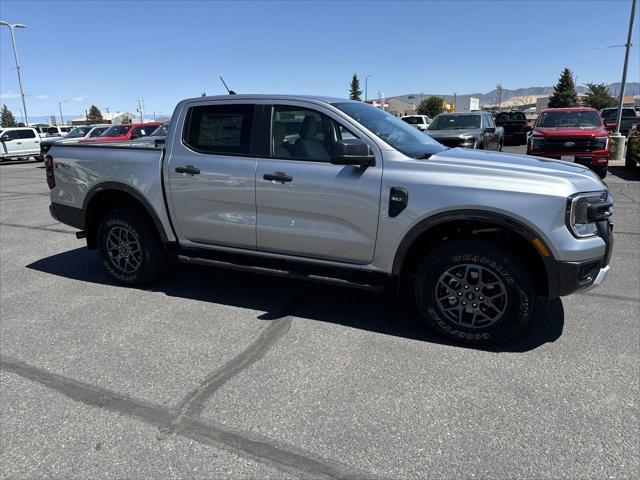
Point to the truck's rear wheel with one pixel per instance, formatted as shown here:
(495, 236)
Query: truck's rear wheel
(129, 246)
(474, 291)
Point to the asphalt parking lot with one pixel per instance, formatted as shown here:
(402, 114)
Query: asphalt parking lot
(213, 374)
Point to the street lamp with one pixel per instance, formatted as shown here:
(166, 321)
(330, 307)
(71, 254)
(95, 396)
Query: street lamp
(60, 107)
(15, 54)
(366, 84)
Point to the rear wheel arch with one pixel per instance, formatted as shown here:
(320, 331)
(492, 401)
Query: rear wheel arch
(105, 198)
(511, 233)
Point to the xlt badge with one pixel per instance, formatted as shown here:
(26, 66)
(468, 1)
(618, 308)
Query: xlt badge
(398, 199)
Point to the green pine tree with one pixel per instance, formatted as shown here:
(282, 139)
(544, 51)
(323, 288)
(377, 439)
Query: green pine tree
(431, 106)
(7, 119)
(94, 115)
(354, 90)
(599, 96)
(564, 93)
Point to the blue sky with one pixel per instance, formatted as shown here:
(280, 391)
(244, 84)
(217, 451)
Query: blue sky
(113, 52)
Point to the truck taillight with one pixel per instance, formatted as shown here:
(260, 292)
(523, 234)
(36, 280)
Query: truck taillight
(48, 165)
(610, 126)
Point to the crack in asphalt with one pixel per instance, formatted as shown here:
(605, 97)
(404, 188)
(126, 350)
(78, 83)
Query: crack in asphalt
(283, 457)
(28, 227)
(193, 403)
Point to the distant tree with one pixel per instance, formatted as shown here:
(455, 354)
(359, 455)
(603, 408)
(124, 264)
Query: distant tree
(564, 93)
(354, 90)
(599, 96)
(94, 115)
(7, 119)
(431, 106)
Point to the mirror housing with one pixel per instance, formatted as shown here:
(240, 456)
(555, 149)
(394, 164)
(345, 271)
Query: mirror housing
(133, 136)
(490, 129)
(352, 151)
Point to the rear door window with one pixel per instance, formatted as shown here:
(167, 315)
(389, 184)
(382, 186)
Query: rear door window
(219, 129)
(10, 135)
(26, 134)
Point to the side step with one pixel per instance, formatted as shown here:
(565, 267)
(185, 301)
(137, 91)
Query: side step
(358, 281)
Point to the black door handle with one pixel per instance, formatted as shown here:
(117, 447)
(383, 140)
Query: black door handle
(278, 177)
(190, 169)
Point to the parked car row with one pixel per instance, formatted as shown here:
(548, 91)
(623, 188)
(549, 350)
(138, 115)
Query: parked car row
(25, 142)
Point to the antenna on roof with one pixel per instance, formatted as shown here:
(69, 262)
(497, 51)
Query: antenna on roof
(230, 92)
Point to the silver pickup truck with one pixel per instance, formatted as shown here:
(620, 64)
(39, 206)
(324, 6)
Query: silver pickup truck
(341, 192)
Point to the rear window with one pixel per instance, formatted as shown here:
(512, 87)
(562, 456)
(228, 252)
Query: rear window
(569, 119)
(414, 120)
(219, 129)
(506, 116)
(28, 133)
(613, 113)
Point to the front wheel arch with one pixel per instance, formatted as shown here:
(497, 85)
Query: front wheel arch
(430, 232)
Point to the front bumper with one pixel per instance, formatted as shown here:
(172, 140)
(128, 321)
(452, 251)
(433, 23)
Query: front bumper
(584, 275)
(588, 159)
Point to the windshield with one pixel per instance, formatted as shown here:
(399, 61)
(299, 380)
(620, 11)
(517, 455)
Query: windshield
(115, 131)
(161, 131)
(446, 122)
(97, 131)
(613, 113)
(569, 119)
(400, 135)
(506, 116)
(78, 132)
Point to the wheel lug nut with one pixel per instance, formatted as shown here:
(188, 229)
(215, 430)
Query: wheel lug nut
(459, 294)
(475, 305)
(476, 289)
(466, 286)
(464, 303)
(481, 298)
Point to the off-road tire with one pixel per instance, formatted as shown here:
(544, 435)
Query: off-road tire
(138, 230)
(495, 263)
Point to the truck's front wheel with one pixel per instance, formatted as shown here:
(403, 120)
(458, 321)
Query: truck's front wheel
(129, 246)
(474, 291)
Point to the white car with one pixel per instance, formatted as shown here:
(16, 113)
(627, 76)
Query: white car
(19, 142)
(54, 131)
(421, 122)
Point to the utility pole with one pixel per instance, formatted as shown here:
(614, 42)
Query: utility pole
(499, 92)
(366, 87)
(15, 54)
(617, 140)
(141, 109)
(60, 107)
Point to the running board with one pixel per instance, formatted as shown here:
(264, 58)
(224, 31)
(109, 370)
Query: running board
(293, 274)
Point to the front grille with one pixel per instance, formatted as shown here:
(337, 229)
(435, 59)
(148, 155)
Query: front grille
(568, 144)
(450, 142)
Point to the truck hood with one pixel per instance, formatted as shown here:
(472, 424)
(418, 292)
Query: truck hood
(569, 131)
(522, 168)
(454, 133)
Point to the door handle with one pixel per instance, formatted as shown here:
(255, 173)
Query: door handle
(278, 177)
(18, 143)
(190, 169)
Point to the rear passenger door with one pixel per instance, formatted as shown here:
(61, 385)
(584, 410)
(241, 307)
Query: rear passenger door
(30, 141)
(307, 206)
(211, 175)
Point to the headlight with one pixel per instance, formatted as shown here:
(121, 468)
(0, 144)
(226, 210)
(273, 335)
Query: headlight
(600, 143)
(467, 142)
(537, 143)
(584, 210)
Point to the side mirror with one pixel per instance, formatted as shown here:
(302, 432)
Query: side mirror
(133, 136)
(352, 151)
(490, 129)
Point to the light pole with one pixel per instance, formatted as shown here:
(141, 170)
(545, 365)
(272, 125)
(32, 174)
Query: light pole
(617, 140)
(15, 54)
(60, 107)
(366, 85)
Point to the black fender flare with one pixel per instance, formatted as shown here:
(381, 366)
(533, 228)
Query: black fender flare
(122, 187)
(549, 262)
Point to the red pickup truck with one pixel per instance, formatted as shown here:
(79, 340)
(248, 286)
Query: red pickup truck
(571, 134)
(126, 131)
